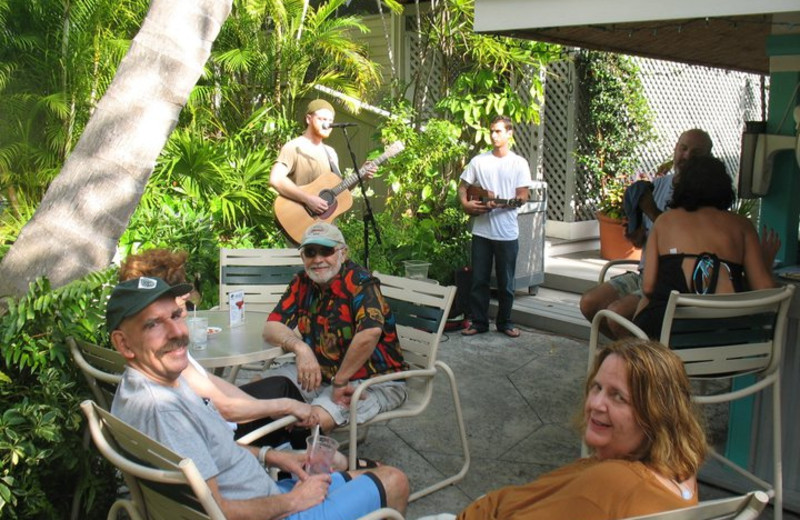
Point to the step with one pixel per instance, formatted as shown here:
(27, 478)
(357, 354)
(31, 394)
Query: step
(560, 247)
(549, 310)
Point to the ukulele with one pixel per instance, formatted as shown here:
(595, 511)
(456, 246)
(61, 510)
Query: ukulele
(295, 217)
(479, 194)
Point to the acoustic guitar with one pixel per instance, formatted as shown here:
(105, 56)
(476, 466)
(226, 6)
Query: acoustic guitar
(478, 193)
(295, 217)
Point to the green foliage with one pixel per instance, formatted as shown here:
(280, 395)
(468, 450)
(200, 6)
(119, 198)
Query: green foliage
(56, 60)
(42, 458)
(271, 54)
(475, 98)
(441, 240)
(422, 178)
(480, 75)
(617, 121)
(179, 224)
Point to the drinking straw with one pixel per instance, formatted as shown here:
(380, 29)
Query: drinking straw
(315, 438)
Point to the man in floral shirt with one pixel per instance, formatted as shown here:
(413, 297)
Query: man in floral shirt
(347, 332)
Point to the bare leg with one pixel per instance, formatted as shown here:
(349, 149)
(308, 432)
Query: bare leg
(625, 307)
(597, 299)
(324, 419)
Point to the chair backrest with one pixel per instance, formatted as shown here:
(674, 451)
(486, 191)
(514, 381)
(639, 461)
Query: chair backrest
(743, 507)
(102, 367)
(262, 274)
(421, 309)
(162, 484)
(730, 334)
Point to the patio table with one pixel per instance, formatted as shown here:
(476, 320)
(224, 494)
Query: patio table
(235, 346)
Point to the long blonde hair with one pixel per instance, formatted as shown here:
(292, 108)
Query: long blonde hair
(675, 440)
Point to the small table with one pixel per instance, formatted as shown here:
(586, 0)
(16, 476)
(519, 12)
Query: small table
(235, 346)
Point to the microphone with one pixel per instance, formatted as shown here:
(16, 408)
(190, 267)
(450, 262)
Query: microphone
(338, 125)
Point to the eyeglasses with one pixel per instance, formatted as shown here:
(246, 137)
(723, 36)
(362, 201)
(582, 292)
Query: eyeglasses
(310, 252)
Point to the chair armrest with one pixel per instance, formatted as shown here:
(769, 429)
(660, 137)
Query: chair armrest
(383, 513)
(266, 429)
(594, 334)
(394, 376)
(612, 263)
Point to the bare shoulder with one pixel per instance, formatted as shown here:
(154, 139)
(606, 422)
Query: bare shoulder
(734, 219)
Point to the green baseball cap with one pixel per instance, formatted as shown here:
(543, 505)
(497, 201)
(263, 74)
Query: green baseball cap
(132, 296)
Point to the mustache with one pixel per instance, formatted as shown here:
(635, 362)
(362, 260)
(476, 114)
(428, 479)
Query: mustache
(175, 344)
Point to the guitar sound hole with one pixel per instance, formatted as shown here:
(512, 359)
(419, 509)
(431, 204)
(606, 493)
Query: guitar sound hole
(328, 196)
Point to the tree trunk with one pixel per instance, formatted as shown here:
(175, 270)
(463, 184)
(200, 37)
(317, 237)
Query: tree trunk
(87, 207)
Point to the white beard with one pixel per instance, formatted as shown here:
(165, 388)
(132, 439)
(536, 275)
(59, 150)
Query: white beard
(322, 277)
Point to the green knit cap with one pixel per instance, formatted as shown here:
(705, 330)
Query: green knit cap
(319, 104)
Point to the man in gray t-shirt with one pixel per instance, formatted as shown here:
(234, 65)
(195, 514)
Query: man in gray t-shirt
(622, 294)
(147, 327)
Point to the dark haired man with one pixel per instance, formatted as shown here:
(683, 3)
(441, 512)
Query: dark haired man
(495, 231)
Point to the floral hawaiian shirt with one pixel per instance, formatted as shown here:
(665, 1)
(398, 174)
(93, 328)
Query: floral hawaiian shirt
(329, 317)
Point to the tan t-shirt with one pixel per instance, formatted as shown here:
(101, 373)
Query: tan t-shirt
(307, 161)
(587, 489)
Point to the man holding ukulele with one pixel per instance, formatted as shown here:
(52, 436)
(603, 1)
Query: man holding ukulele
(495, 231)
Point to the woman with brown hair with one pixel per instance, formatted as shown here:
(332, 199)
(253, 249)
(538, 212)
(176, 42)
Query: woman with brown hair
(646, 439)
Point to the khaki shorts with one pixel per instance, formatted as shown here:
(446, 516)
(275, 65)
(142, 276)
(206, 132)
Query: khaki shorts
(381, 397)
(627, 283)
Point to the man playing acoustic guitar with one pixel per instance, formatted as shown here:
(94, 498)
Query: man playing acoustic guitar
(495, 231)
(306, 158)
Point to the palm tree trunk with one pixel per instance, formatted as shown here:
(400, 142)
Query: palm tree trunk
(88, 205)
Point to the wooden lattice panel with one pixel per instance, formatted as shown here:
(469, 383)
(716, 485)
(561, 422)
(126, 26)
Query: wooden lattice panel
(680, 96)
(557, 164)
(685, 96)
(528, 137)
(430, 70)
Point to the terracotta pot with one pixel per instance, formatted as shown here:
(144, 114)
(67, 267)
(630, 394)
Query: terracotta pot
(613, 244)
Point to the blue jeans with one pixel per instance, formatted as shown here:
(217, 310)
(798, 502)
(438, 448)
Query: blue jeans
(504, 254)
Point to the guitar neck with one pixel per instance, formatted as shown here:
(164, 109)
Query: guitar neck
(351, 180)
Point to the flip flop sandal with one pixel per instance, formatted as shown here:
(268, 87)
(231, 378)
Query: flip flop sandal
(364, 463)
(471, 331)
(511, 333)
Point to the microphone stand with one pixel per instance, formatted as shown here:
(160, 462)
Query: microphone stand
(368, 216)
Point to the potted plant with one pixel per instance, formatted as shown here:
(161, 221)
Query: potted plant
(616, 122)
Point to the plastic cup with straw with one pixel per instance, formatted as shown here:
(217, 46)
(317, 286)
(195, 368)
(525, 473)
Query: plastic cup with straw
(320, 453)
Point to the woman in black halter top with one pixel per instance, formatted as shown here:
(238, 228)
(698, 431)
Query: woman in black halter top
(699, 246)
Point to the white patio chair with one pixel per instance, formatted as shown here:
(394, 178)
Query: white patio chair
(722, 336)
(263, 275)
(745, 507)
(421, 309)
(101, 367)
(601, 278)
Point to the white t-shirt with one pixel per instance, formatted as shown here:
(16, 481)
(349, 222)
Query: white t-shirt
(502, 176)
